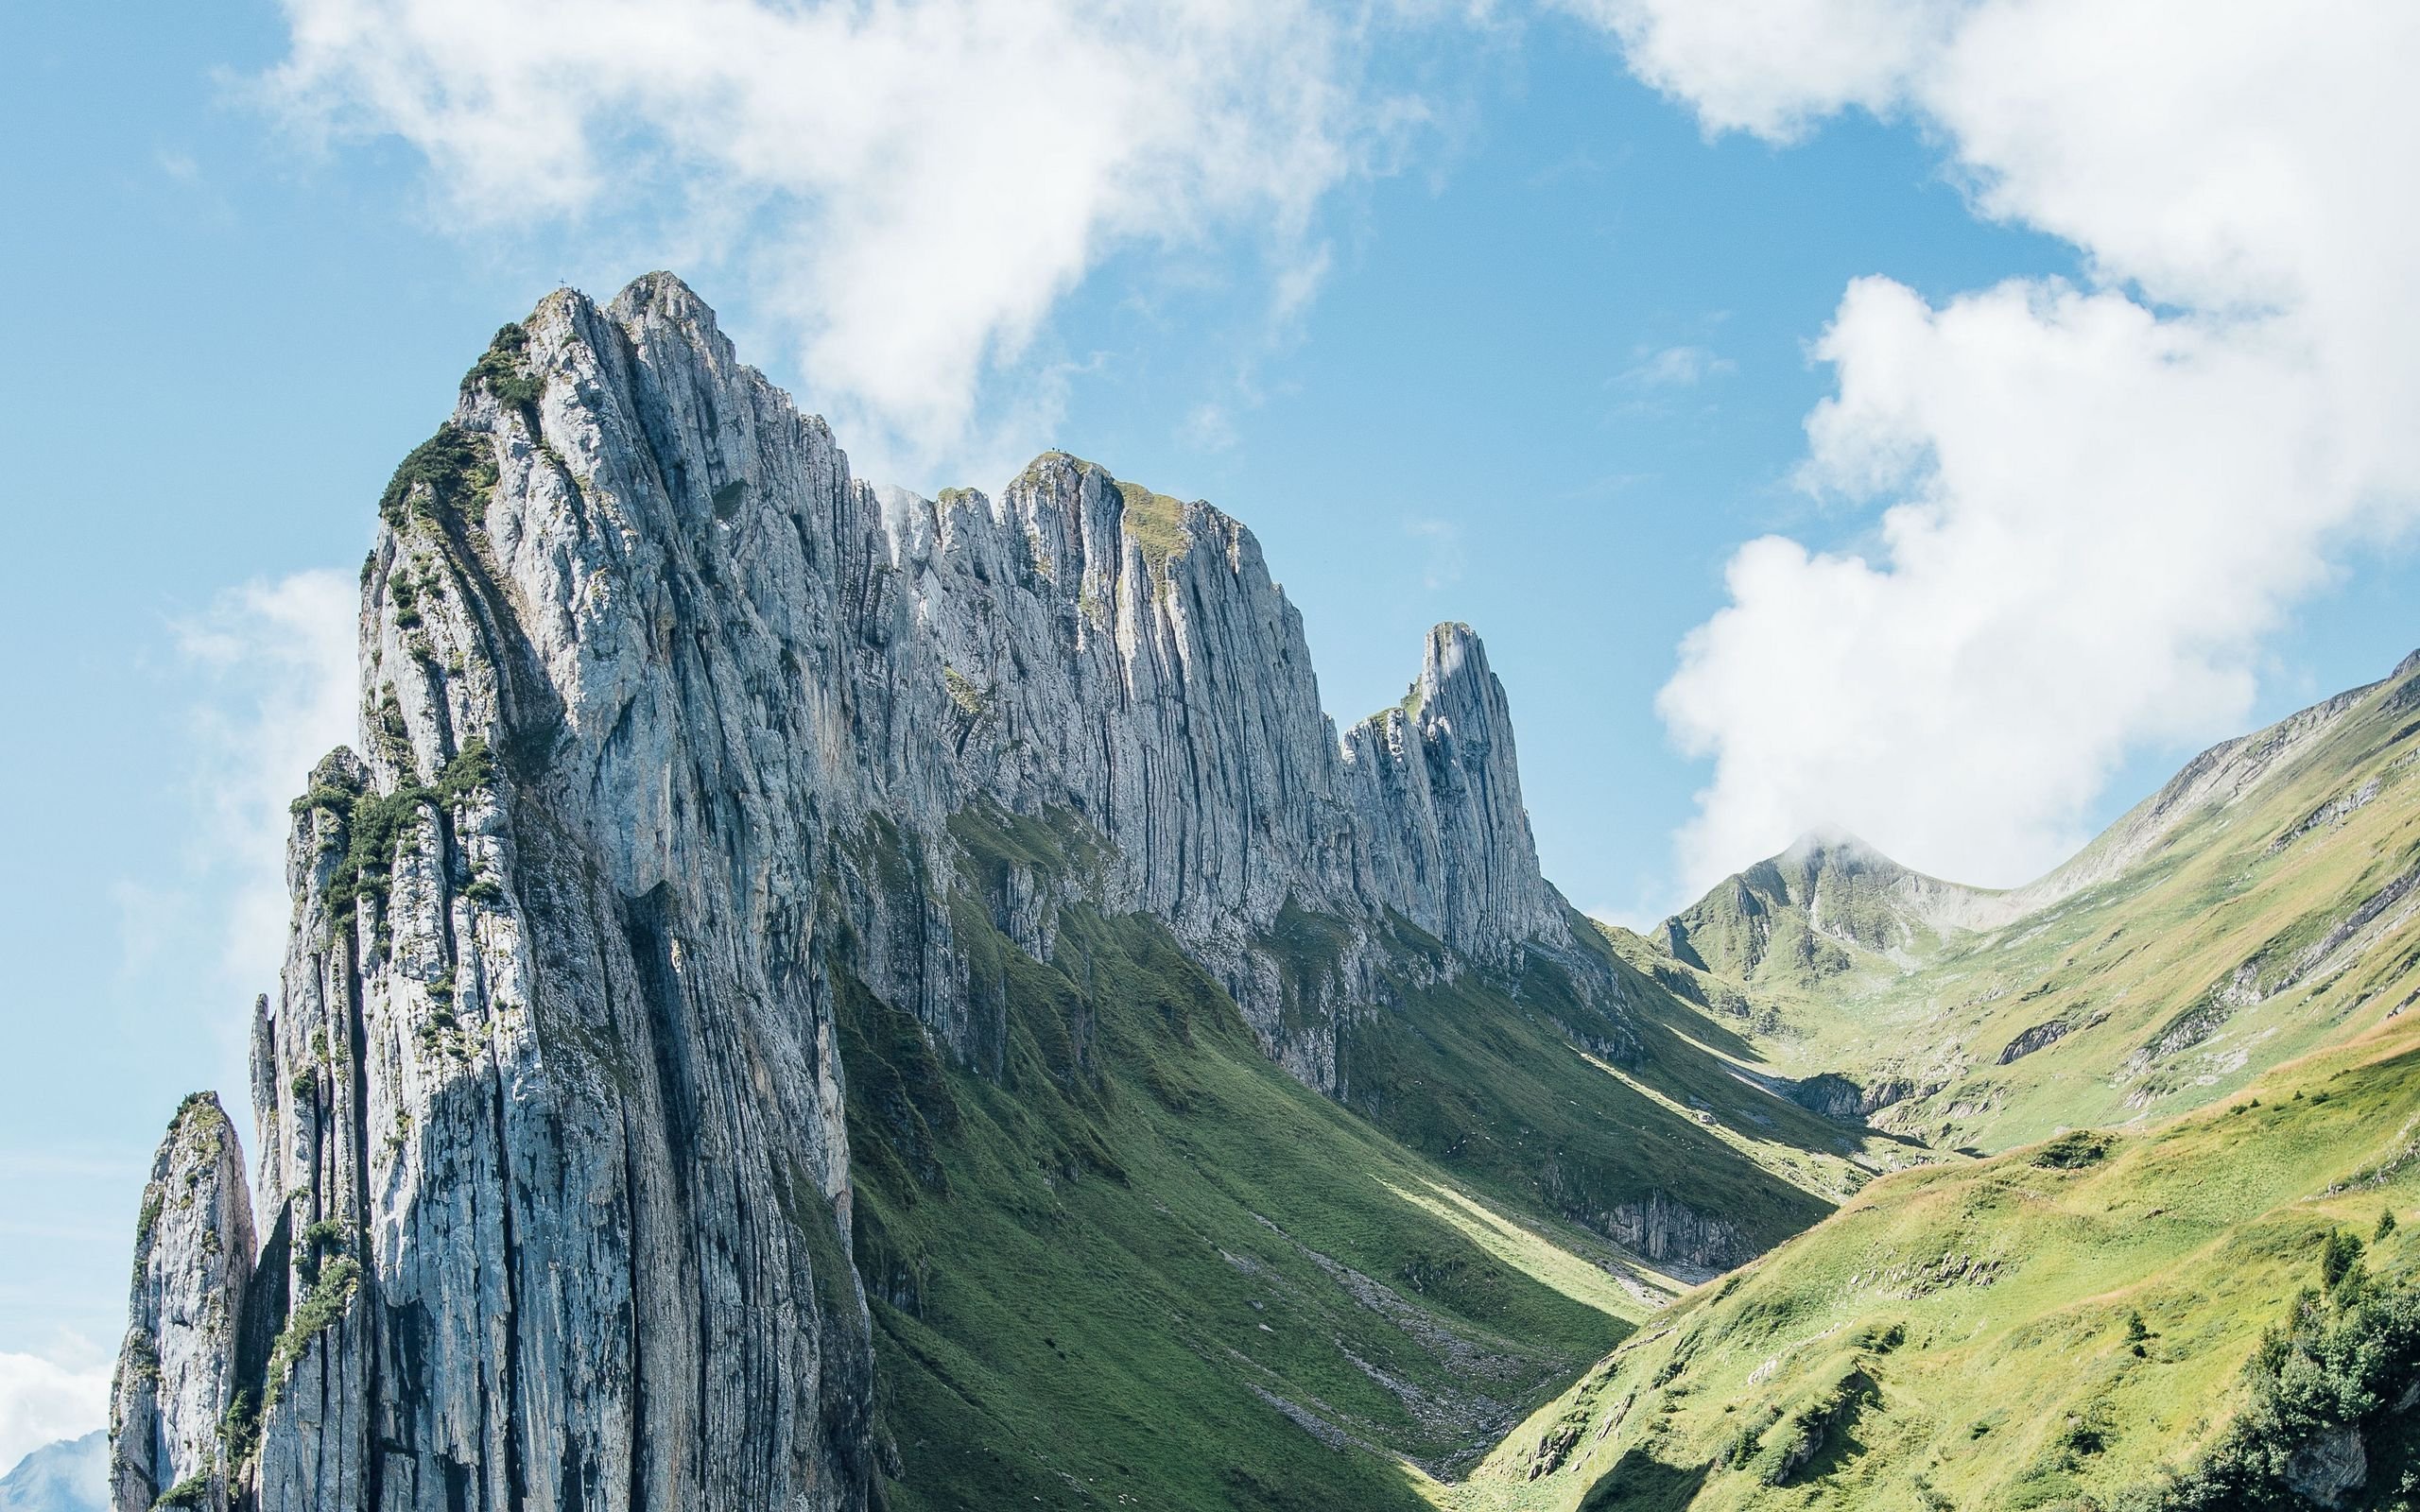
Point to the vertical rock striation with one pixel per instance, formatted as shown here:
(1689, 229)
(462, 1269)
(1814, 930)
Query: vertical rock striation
(174, 1391)
(1438, 791)
(666, 720)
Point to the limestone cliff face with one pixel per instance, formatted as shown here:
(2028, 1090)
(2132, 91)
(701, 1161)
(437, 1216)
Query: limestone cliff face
(665, 722)
(1437, 787)
(193, 1258)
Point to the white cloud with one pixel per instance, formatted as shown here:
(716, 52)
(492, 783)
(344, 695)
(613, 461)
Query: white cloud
(1677, 368)
(2095, 501)
(273, 676)
(919, 180)
(1209, 428)
(1773, 67)
(1443, 565)
(43, 1400)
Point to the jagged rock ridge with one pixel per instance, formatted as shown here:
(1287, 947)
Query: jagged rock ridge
(666, 721)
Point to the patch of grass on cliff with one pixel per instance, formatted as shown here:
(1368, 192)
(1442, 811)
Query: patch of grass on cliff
(965, 693)
(1144, 1263)
(1157, 523)
(372, 824)
(504, 368)
(322, 1305)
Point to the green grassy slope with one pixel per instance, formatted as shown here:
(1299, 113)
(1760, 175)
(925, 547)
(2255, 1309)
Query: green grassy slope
(2058, 1326)
(2221, 928)
(1141, 1265)
(1523, 1086)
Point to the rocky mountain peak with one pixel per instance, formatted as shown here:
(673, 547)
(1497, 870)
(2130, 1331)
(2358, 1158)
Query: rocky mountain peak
(675, 734)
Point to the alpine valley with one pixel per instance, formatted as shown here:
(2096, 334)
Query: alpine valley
(808, 996)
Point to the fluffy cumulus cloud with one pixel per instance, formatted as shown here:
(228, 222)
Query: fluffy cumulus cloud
(916, 181)
(2092, 501)
(42, 1400)
(271, 666)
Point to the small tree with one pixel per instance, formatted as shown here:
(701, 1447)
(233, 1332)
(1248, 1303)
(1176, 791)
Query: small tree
(2339, 1257)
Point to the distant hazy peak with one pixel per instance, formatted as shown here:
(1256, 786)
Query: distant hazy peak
(1821, 906)
(1826, 847)
(70, 1475)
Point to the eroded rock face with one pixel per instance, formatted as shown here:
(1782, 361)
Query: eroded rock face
(667, 722)
(2327, 1470)
(193, 1258)
(1668, 1230)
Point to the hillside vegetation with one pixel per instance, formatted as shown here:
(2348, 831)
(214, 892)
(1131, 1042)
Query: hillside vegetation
(2164, 1111)
(2210, 1313)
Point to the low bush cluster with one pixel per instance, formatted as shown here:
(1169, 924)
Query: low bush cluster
(2343, 1363)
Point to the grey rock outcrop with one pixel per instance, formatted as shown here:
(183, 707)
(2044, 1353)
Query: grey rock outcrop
(1670, 1231)
(666, 724)
(176, 1376)
(1438, 791)
(2328, 1469)
(1831, 1095)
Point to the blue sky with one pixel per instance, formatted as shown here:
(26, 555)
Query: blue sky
(1490, 330)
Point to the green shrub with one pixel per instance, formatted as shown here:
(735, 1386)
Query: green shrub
(240, 1429)
(2073, 1152)
(323, 1302)
(439, 475)
(315, 1245)
(504, 369)
(2338, 1364)
(192, 1491)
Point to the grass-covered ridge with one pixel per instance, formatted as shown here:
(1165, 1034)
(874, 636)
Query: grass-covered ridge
(2265, 920)
(1522, 1085)
(2079, 1323)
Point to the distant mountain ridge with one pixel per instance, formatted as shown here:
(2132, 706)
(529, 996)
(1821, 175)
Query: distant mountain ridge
(2269, 870)
(72, 1475)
